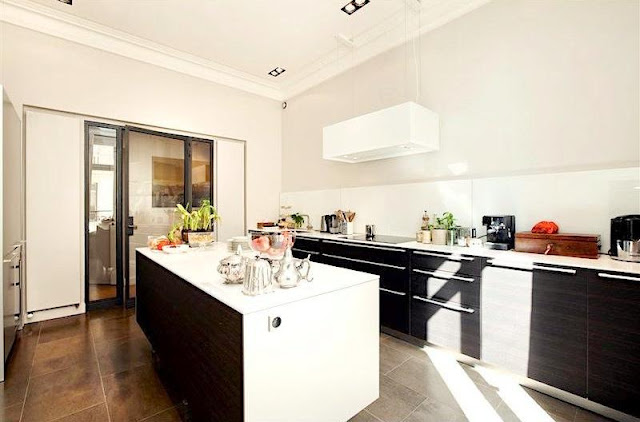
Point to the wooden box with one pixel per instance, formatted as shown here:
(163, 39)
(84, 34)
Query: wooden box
(565, 244)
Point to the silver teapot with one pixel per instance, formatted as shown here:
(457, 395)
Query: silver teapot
(289, 273)
(232, 268)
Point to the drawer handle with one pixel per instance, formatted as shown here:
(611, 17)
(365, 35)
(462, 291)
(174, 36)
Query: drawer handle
(366, 262)
(446, 305)
(554, 269)
(311, 239)
(618, 277)
(519, 266)
(305, 251)
(448, 257)
(393, 292)
(358, 245)
(440, 275)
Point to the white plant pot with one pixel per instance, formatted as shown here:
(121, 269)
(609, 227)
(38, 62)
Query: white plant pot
(439, 236)
(426, 236)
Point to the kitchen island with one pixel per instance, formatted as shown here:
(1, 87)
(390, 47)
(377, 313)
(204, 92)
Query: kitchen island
(304, 354)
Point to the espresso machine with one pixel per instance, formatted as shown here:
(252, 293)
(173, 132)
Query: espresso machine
(625, 238)
(501, 231)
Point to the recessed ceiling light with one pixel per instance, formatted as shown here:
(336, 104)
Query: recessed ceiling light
(277, 71)
(69, 2)
(353, 6)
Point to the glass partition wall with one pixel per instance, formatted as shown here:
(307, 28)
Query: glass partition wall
(162, 170)
(102, 237)
(134, 178)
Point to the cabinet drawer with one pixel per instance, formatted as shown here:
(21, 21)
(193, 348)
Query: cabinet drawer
(307, 244)
(614, 340)
(394, 310)
(446, 324)
(446, 286)
(370, 253)
(391, 277)
(455, 264)
(303, 253)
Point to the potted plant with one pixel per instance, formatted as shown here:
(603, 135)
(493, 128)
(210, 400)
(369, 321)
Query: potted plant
(198, 225)
(298, 220)
(445, 225)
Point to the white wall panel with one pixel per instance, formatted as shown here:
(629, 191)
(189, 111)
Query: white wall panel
(230, 188)
(54, 214)
(580, 202)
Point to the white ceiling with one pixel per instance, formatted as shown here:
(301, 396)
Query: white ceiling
(251, 37)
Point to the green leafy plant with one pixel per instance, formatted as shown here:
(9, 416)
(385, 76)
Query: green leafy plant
(200, 219)
(446, 222)
(298, 220)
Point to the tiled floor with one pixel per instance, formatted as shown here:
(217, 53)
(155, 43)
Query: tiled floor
(93, 368)
(98, 368)
(420, 385)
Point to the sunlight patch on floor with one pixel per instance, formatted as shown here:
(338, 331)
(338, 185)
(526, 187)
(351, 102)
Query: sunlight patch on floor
(514, 396)
(474, 405)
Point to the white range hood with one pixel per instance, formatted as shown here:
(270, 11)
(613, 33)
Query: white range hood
(404, 129)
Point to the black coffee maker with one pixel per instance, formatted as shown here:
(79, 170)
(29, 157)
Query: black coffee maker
(501, 231)
(625, 238)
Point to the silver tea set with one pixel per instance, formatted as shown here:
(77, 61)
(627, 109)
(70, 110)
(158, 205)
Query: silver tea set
(258, 275)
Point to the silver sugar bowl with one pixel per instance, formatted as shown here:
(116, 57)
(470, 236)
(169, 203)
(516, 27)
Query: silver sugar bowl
(233, 267)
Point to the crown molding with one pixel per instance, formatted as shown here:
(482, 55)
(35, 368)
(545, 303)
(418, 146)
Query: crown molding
(82, 31)
(390, 34)
(378, 39)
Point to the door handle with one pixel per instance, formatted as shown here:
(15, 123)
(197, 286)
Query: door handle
(133, 226)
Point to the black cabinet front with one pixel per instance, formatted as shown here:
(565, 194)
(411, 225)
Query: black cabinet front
(534, 323)
(446, 324)
(394, 289)
(394, 310)
(614, 340)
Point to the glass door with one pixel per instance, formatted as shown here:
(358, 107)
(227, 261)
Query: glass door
(103, 269)
(161, 170)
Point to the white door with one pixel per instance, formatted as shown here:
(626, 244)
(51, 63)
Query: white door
(230, 198)
(54, 210)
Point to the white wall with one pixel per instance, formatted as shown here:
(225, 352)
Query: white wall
(579, 202)
(44, 71)
(520, 87)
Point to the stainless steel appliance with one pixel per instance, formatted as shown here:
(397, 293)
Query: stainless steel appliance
(370, 230)
(625, 238)
(501, 231)
(330, 224)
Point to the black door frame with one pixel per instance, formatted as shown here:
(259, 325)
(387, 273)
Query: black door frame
(187, 140)
(118, 300)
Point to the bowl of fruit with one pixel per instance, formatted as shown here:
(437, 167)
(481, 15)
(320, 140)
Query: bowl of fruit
(272, 244)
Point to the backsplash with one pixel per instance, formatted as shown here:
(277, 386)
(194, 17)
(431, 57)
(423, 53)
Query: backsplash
(580, 202)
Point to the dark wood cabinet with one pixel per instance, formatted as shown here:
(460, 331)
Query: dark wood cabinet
(370, 253)
(451, 263)
(534, 323)
(306, 247)
(614, 340)
(446, 324)
(394, 287)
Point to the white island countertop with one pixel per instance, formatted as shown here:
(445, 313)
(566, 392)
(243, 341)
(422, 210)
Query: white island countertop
(199, 267)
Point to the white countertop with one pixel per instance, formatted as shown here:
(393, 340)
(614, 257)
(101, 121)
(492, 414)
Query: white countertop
(520, 259)
(199, 267)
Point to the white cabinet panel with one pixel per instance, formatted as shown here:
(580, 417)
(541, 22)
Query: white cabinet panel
(322, 360)
(230, 188)
(54, 210)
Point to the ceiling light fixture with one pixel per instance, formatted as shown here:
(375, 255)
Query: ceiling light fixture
(69, 2)
(353, 6)
(277, 71)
